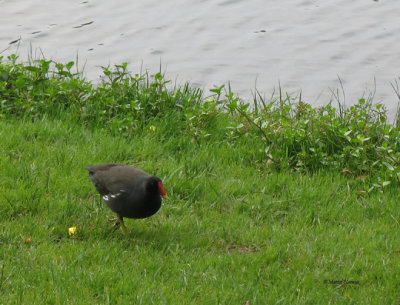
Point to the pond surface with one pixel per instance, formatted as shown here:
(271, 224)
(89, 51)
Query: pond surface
(303, 45)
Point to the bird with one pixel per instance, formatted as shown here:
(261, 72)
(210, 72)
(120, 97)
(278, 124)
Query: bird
(128, 191)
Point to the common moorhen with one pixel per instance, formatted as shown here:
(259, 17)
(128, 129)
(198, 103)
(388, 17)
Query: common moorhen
(128, 191)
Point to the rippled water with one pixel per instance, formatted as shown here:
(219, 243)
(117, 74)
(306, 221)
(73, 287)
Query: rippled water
(304, 45)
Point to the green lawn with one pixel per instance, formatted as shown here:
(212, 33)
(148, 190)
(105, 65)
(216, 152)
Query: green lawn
(274, 202)
(227, 234)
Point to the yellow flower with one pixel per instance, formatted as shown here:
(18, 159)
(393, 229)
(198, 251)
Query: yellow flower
(152, 128)
(71, 231)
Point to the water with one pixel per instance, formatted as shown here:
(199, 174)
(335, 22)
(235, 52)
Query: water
(303, 45)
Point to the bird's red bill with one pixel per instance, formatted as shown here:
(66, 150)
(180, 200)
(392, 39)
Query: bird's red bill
(161, 189)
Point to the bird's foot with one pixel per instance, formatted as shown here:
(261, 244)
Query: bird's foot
(121, 221)
(118, 222)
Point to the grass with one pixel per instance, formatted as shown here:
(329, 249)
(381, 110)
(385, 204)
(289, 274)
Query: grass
(244, 222)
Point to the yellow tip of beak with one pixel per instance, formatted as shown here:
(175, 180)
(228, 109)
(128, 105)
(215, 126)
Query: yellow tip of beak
(165, 196)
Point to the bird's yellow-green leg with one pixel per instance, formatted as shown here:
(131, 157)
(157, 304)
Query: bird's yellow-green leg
(121, 221)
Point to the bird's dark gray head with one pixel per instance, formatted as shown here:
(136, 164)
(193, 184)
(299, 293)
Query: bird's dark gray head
(155, 186)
